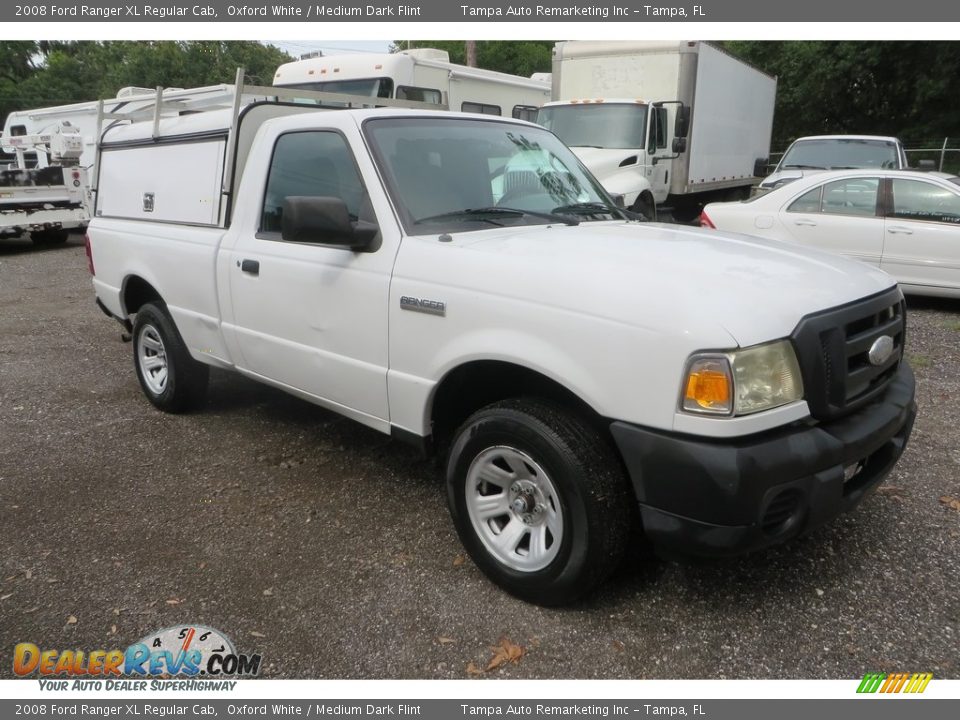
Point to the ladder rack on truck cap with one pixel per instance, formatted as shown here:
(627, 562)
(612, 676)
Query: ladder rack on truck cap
(213, 140)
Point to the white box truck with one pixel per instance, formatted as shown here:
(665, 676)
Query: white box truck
(581, 373)
(662, 123)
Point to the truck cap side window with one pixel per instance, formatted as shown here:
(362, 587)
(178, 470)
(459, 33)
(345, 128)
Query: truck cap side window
(312, 163)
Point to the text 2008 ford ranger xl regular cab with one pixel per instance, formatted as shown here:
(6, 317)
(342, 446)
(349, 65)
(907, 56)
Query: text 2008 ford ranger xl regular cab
(461, 282)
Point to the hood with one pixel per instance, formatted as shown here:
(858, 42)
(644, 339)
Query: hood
(665, 278)
(604, 162)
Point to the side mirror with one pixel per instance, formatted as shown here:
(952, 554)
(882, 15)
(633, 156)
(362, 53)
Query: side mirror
(325, 221)
(760, 167)
(679, 145)
(681, 125)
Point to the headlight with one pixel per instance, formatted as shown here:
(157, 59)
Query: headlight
(743, 381)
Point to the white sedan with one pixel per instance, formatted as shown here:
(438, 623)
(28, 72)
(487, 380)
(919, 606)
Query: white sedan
(906, 223)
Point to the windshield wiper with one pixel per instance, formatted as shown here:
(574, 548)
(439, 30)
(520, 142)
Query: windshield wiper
(480, 213)
(588, 208)
(803, 167)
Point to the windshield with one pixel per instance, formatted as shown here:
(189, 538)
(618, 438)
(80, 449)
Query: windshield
(839, 153)
(603, 125)
(447, 175)
(367, 87)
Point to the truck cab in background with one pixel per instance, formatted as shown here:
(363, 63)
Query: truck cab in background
(818, 153)
(662, 123)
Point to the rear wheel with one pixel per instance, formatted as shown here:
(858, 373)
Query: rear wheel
(171, 379)
(539, 500)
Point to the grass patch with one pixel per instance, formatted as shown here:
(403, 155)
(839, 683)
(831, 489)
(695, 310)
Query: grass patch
(919, 361)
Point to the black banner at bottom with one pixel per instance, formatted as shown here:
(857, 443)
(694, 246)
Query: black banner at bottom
(872, 708)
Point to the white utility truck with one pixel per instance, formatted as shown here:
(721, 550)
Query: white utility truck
(44, 192)
(578, 372)
(662, 123)
(420, 74)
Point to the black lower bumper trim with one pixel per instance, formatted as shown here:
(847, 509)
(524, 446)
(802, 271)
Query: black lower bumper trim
(731, 496)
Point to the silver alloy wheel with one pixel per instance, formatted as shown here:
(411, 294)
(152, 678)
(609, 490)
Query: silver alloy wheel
(152, 356)
(514, 508)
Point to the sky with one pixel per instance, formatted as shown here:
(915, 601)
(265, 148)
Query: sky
(296, 48)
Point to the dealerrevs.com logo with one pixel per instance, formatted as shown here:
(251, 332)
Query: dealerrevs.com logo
(887, 683)
(183, 651)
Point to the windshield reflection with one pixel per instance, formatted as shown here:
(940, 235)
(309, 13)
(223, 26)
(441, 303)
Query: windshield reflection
(456, 174)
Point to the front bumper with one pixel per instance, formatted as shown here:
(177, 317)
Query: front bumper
(714, 498)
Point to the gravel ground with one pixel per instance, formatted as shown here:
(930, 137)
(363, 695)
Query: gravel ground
(327, 548)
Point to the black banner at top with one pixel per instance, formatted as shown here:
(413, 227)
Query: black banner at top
(300, 11)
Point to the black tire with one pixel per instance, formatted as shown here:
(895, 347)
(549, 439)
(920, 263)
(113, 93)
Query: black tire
(594, 498)
(49, 237)
(184, 385)
(645, 206)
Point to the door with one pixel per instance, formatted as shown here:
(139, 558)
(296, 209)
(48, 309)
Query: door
(923, 234)
(840, 217)
(310, 316)
(658, 174)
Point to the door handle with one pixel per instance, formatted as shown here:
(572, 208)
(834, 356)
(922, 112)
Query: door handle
(805, 223)
(899, 230)
(250, 266)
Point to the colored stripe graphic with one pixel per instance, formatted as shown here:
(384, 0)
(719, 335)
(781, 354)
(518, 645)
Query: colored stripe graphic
(894, 683)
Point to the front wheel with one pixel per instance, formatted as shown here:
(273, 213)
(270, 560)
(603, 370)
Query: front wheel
(539, 500)
(171, 379)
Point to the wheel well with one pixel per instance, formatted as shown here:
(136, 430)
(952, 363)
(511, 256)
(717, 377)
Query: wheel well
(136, 293)
(645, 204)
(474, 385)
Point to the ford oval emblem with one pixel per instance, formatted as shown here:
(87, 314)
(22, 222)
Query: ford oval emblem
(881, 350)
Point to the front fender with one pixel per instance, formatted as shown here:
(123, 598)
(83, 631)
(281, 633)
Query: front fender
(627, 182)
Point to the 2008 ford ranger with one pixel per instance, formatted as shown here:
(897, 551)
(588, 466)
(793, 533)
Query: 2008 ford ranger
(462, 282)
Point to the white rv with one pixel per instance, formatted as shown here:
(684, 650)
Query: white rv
(83, 116)
(422, 75)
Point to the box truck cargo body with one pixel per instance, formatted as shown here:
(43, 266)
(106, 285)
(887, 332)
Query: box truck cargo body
(676, 123)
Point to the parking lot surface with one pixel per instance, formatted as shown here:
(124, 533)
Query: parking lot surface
(327, 547)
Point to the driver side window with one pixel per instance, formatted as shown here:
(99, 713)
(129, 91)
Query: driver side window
(315, 164)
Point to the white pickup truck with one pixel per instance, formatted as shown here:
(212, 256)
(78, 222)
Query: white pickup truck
(819, 153)
(462, 283)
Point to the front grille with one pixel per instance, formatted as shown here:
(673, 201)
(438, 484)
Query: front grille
(833, 348)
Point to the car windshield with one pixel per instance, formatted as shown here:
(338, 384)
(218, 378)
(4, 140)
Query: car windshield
(447, 175)
(837, 153)
(622, 125)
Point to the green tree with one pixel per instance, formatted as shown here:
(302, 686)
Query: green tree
(907, 89)
(521, 58)
(56, 73)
